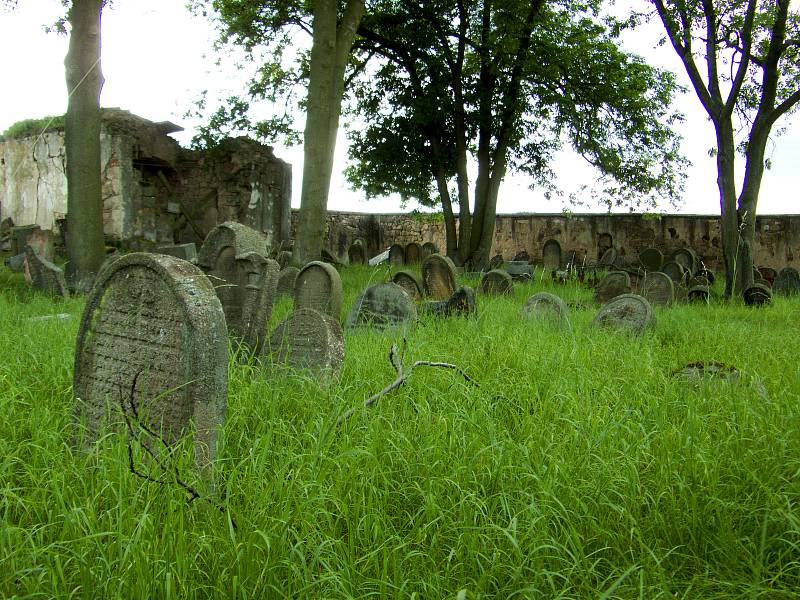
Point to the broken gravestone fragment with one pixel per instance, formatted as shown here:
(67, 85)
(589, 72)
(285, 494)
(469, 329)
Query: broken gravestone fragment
(438, 277)
(627, 312)
(410, 282)
(382, 305)
(182, 251)
(319, 286)
(308, 339)
(546, 306)
(155, 321)
(461, 303)
(43, 274)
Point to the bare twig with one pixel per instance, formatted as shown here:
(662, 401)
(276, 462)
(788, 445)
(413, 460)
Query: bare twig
(402, 375)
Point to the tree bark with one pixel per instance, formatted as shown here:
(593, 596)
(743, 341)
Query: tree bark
(727, 201)
(329, 55)
(85, 242)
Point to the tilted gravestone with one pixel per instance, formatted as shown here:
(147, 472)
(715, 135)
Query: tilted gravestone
(496, 262)
(43, 274)
(546, 306)
(628, 312)
(34, 236)
(551, 255)
(651, 259)
(698, 280)
(319, 286)
(155, 320)
(768, 273)
(496, 283)
(687, 258)
(308, 339)
(461, 303)
(438, 277)
(658, 289)
(675, 271)
(410, 282)
(612, 285)
(698, 293)
(787, 283)
(608, 259)
(397, 255)
(382, 305)
(413, 253)
(757, 294)
(260, 283)
(357, 253)
(183, 251)
(429, 248)
(286, 281)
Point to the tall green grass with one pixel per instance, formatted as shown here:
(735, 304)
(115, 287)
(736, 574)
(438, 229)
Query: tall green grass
(580, 468)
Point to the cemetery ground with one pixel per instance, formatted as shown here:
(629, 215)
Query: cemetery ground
(581, 467)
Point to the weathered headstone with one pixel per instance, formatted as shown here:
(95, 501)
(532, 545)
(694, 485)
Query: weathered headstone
(651, 259)
(675, 271)
(410, 282)
(413, 253)
(698, 280)
(551, 255)
(357, 252)
(496, 283)
(308, 339)
(518, 269)
(319, 286)
(708, 274)
(428, 249)
(260, 283)
(397, 255)
(522, 256)
(698, 293)
(628, 312)
(286, 281)
(608, 259)
(329, 258)
(612, 285)
(438, 277)
(687, 258)
(787, 283)
(182, 251)
(155, 320)
(496, 262)
(43, 274)
(32, 235)
(546, 306)
(16, 263)
(658, 289)
(461, 303)
(382, 305)
(757, 294)
(768, 273)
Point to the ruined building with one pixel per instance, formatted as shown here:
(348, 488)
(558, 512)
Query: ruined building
(154, 191)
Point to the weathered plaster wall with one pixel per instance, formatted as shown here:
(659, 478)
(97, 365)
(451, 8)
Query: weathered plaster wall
(778, 236)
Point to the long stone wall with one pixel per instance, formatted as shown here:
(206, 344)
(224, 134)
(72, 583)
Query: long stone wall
(777, 236)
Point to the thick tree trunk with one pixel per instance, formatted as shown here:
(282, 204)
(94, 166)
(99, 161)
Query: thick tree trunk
(85, 243)
(447, 205)
(748, 203)
(727, 201)
(329, 54)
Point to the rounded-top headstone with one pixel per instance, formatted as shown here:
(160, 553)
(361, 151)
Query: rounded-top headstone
(496, 262)
(628, 312)
(234, 235)
(687, 258)
(612, 285)
(382, 305)
(675, 271)
(429, 248)
(319, 286)
(757, 294)
(651, 259)
(413, 253)
(496, 282)
(698, 293)
(438, 277)
(286, 281)
(308, 339)
(787, 283)
(767, 273)
(551, 255)
(397, 255)
(410, 282)
(546, 305)
(357, 252)
(155, 320)
(658, 288)
(608, 259)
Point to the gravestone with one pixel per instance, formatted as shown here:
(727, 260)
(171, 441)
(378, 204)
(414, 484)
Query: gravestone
(156, 320)
(519, 269)
(708, 274)
(43, 274)
(319, 286)
(329, 258)
(608, 259)
(286, 281)
(698, 280)
(413, 253)
(767, 273)
(687, 258)
(397, 255)
(496, 283)
(357, 253)
(308, 339)
(698, 293)
(16, 263)
(658, 289)
(382, 305)
(551, 255)
(612, 285)
(628, 312)
(787, 283)
(260, 285)
(676, 272)
(757, 294)
(428, 249)
(496, 262)
(438, 277)
(522, 256)
(546, 306)
(34, 236)
(461, 303)
(240, 238)
(284, 259)
(651, 259)
(182, 251)
(410, 282)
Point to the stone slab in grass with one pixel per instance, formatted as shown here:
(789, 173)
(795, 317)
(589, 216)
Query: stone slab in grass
(627, 312)
(382, 305)
(156, 320)
(308, 339)
(658, 289)
(438, 277)
(546, 306)
(410, 282)
(461, 303)
(44, 275)
(496, 283)
(758, 294)
(519, 269)
(319, 286)
(613, 284)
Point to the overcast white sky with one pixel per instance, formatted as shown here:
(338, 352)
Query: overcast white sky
(156, 58)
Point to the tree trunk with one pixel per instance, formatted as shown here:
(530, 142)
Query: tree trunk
(85, 242)
(444, 195)
(330, 51)
(727, 201)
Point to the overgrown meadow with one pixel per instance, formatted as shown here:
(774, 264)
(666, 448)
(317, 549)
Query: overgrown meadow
(579, 467)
